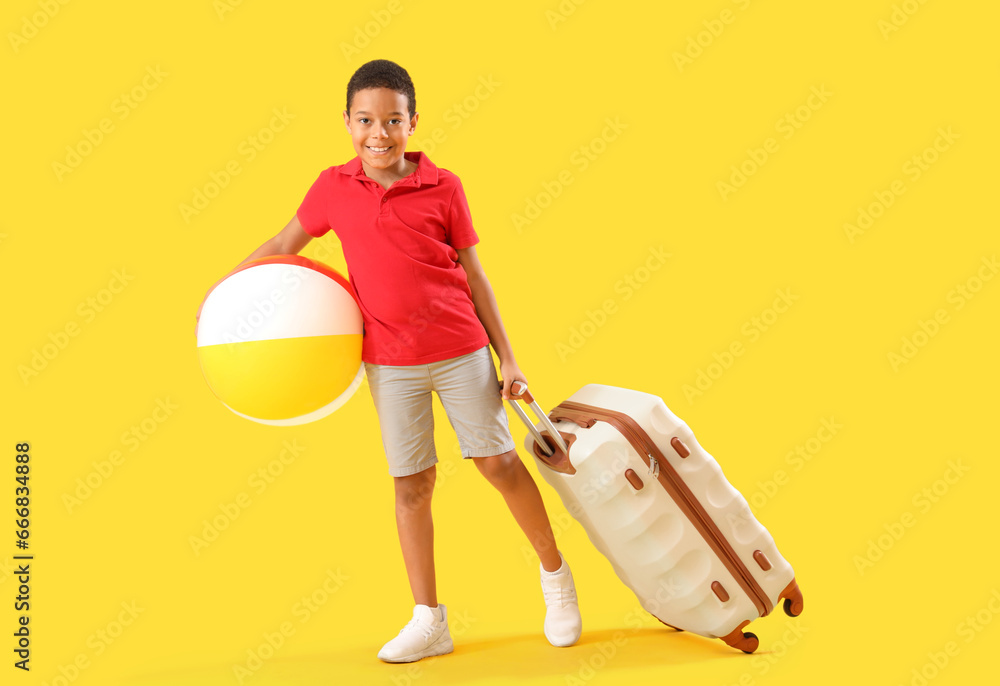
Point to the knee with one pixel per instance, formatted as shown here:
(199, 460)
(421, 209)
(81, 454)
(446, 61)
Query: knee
(502, 471)
(413, 492)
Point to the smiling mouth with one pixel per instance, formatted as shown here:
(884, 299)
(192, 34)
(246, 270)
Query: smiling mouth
(373, 149)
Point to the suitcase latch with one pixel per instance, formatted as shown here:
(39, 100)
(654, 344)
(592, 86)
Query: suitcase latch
(633, 479)
(654, 466)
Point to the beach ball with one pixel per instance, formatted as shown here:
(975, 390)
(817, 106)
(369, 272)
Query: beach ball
(279, 340)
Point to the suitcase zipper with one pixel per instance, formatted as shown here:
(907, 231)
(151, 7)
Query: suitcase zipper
(654, 466)
(675, 486)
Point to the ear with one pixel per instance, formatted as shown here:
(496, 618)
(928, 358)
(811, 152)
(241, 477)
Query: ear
(347, 120)
(413, 122)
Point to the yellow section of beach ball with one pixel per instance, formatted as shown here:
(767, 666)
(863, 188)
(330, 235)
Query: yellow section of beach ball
(279, 340)
(281, 378)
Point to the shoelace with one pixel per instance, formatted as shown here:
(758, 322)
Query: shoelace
(559, 596)
(415, 625)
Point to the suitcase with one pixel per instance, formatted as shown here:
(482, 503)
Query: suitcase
(658, 506)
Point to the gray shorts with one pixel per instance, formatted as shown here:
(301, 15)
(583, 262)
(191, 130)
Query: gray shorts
(470, 393)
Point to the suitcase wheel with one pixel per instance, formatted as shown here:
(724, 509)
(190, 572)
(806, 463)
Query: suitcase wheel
(750, 642)
(743, 640)
(792, 609)
(793, 599)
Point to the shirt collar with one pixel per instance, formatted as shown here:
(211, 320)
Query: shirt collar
(426, 173)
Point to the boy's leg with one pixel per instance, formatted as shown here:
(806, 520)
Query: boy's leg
(470, 392)
(508, 475)
(426, 634)
(563, 624)
(416, 532)
(403, 402)
(402, 397)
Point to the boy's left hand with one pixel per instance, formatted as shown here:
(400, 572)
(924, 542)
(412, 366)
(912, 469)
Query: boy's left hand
(510, 373)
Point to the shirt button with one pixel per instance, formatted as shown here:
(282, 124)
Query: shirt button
(384, 199)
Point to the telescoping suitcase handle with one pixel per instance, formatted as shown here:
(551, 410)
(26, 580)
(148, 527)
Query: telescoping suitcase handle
(530, 400)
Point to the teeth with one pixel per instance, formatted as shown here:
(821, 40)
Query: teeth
(377, 149)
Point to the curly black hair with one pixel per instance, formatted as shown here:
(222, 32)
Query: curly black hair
(382, 74)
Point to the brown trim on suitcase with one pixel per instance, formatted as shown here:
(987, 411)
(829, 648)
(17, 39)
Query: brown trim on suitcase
(585, 415)
(761, 559)
(558, 461)
(679, 447)
(579, 420)
(633, 479)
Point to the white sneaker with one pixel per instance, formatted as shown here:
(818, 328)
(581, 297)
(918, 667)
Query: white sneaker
(425, 635)
(563, 625)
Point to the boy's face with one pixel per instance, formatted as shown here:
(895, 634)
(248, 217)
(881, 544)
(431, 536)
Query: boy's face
(380, 124)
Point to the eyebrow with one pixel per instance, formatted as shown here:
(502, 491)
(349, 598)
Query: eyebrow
(366, 112)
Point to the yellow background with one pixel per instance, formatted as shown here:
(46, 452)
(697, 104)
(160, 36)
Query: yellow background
(558, 74)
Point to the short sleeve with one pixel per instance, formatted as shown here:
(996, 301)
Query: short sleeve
(312, 212)
(460, 233)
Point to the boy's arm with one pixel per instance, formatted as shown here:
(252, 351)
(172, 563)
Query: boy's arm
(489, 315)
(289, 241)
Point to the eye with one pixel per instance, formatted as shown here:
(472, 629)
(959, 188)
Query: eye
(398, 121)
(363, 120)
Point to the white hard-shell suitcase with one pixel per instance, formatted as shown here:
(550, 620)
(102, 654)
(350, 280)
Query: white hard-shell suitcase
(658, 506)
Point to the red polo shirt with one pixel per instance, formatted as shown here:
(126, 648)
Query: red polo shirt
(400, 246)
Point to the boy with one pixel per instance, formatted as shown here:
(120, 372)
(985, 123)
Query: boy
(430, 316)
